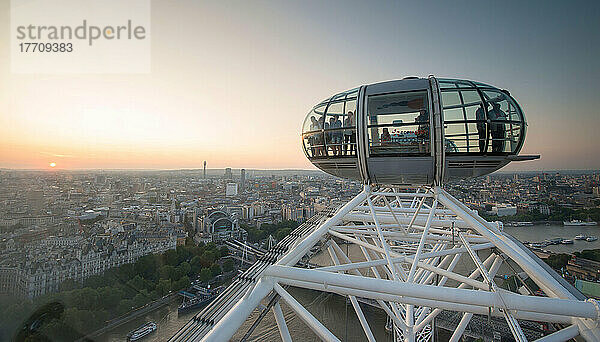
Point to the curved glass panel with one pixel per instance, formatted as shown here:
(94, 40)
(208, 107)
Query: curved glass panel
(312, 131)
(480, 119)
(311, 122)
(332, 127)
(465, 127)
(349, 125)
(506, 121)
(330, 130)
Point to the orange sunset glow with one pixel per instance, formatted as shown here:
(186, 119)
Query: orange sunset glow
(237, 98)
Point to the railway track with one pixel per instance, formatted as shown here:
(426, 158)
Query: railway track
(201, 323)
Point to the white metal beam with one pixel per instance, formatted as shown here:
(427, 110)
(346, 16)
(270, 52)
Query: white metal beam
(305, 316)
(565, 334)
(233, 320)
(283, 329)
(355, 305)
(509, 300)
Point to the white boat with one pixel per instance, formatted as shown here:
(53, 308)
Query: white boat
(147, 328)
(580, 223)
(591, 238)
(580, 237)
(567, 242)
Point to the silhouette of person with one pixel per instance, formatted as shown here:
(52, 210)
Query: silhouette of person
(481, 130)
(386, 138)
(497, 116)
(312, 139)
(336, 136)
(349, 134)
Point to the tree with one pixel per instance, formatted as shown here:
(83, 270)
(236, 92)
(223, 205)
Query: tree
(146, 267)
(228, 265)
(124, 306)
(167, 272)
(89, 299)
(171, 257)
(141, 298)
(195, 265)
(182, 283)
(558, 261)
(137, 283)
(163, 287)
(205, 275)
(183, 254)
(282, 233)
(184, 269)
(209, 257)
(110, 297)
(592, 254)
(215, 270)
(68, 285)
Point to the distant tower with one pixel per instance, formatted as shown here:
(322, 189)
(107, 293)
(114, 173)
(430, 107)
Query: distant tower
(228, 174)
(243, 180)
(204, 174)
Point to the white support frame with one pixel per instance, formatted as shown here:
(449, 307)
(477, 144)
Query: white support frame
(411, 243)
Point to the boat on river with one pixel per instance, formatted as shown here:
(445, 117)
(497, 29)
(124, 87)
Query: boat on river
(144, 330)
(580, 223)
(195, 303)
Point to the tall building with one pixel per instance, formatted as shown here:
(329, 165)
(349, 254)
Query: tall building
(204, 173)
(231, 189)
(195, 219)
(243, 180)
(228, 174)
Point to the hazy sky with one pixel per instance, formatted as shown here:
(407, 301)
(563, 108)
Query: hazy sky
(232, 81)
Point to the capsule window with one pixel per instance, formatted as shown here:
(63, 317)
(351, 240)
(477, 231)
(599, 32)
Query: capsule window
(506, 121)
(465, 125)
(488, 121)
(349, 125)
(398, 124)
(312, 130)
(330, 130)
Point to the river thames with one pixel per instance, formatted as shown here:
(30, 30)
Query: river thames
(331, 309)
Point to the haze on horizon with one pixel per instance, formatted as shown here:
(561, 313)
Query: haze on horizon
(232, 81)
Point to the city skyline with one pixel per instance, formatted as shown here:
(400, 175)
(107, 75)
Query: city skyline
(230, 83)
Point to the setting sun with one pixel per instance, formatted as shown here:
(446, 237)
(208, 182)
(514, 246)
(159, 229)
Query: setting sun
(52, 164)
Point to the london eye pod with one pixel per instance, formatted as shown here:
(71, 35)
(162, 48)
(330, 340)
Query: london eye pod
(415, 131)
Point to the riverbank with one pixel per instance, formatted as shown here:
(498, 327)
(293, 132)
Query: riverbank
(138, 312)
(543, 232)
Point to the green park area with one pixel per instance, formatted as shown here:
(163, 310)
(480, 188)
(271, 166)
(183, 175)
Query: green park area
(277, 230)
(557, 214)
(90, 305)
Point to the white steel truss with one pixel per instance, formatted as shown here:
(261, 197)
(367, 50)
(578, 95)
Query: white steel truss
(411, 243)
